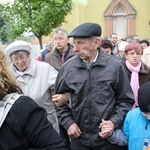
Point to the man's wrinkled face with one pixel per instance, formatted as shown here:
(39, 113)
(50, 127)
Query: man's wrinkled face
(61, 42)
(86, 48)
(21, 59)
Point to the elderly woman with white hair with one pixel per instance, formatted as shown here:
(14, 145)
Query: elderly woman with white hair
(36, 79)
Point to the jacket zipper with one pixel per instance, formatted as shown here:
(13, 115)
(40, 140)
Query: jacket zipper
(144, 137)
(90, 120)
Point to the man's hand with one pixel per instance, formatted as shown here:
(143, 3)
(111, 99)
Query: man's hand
(107, 128)
(74, 131)
(60, 99)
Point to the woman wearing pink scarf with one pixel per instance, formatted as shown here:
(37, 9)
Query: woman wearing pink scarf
(137, 71)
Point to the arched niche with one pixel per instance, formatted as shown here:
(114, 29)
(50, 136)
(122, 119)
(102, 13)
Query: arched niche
(120, 18)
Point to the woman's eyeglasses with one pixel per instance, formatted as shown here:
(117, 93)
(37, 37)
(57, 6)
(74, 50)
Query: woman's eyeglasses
(21, 58)
(133, 53)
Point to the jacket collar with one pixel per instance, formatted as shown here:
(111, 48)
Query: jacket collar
(143, 70)
(101, 60)
(69, 54)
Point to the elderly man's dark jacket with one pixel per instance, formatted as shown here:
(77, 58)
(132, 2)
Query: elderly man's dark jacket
(26, 128)
(103, 92)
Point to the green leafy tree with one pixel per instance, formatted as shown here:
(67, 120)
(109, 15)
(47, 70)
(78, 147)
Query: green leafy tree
(3, 35)
(37, 16)
(3, 32)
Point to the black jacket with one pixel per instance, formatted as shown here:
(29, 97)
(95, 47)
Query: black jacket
(26, 126)
(103, 92)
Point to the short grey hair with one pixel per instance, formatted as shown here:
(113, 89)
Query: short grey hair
(61, 31)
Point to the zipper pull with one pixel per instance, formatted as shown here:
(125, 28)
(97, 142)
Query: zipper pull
(146, 125)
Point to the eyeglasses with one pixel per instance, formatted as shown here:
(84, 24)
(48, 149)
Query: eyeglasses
(133, 53)
(21, 58)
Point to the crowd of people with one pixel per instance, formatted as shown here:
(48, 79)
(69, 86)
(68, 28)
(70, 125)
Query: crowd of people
(87, 96)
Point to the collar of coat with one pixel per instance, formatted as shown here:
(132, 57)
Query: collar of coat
(70, 51)
(143, 70)
(101, 60)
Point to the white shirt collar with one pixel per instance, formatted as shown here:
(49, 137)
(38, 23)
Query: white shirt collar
(94, 60)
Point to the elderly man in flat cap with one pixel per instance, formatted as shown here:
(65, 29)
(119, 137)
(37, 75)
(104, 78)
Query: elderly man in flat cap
(100, 93)
(36, 79)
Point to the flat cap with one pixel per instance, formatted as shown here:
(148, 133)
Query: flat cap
(87, 29)
(18, 45)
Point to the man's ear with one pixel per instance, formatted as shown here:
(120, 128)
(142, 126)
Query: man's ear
(97, 41)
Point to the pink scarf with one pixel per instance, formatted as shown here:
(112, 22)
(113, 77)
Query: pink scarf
(134, 82)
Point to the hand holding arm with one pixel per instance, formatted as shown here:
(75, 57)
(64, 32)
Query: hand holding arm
(74, 131)
(60, 99)
(107, 128)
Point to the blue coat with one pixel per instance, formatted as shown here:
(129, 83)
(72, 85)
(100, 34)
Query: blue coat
(43, 54)
(135, 130)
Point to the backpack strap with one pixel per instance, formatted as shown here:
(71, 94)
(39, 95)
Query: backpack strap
(5, 105)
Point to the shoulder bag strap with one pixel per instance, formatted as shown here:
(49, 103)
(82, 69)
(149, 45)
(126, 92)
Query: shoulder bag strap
(6, 104)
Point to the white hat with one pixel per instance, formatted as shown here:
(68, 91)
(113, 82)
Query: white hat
(122, 45)
(17, 46)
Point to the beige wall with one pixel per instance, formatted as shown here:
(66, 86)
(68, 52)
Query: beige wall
(142, 8)
(94, 12)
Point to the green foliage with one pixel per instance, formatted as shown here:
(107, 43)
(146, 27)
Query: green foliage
(3, 34)
(37, 16)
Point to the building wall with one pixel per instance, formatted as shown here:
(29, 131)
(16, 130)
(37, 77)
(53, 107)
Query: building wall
(94, 10)
(142, 26)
